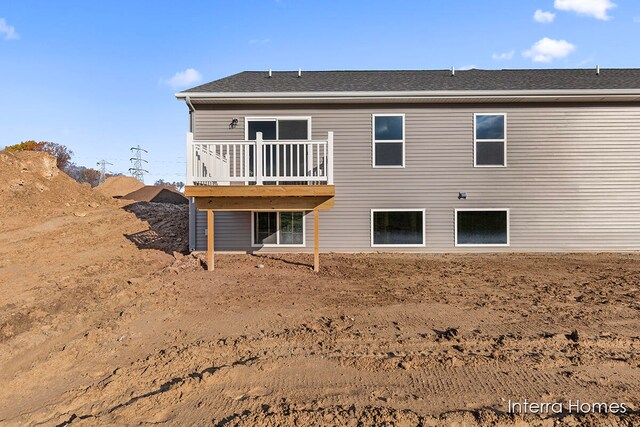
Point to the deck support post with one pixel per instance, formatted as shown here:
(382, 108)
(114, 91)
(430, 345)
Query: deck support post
(210, 242)
(316, 238)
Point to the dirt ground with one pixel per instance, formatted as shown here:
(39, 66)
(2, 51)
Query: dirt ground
(102, 323)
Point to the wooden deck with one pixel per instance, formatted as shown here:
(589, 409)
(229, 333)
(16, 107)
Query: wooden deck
(260, 198)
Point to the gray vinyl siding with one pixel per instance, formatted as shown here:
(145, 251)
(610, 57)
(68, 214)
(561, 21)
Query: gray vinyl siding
(233, 232)
(572, 180)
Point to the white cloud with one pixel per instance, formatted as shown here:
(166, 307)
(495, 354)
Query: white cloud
(546, 50)
(544, 17)
(595, 8)
(467, 67)
(504, 56)
(259, 41)
(8, 31)
(184, 78)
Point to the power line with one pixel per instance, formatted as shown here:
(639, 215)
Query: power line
(103, 169)
(126, 160)
(137, 171)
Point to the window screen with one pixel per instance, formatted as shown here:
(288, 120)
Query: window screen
(388, 154)
(489, 153)
(482, 227)
(293, 129)
(398, 228)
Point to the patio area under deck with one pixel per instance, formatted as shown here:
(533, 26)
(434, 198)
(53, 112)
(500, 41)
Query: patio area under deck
(260, 175)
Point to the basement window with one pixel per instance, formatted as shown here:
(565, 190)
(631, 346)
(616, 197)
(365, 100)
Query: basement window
(277, 229)
(482, 227)
(388, 140)
(397, 227)
(490, 140)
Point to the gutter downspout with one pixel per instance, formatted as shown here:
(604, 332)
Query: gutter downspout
(191, 111)
(193, 212)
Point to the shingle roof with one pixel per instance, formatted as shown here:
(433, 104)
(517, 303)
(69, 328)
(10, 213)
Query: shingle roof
(424, 80)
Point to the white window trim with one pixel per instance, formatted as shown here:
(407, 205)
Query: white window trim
(482, 245)
(373, 140)
(411, 245)
(475, 140)
(276, 119)
(278, 244)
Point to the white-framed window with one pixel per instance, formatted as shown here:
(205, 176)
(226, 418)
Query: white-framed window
(388, 140)
(278, 128)
(490, 140)
(482, 227)
(271, 228)
(397, 227)
(283, 128)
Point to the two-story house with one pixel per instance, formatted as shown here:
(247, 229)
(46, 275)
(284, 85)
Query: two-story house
(427, 161)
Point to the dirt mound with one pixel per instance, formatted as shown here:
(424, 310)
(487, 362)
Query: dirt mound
(157, 194)
(169, 226)
(118, 186)
(32, 187)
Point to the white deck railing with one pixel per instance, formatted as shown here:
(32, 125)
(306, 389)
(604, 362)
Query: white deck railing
(259, 162)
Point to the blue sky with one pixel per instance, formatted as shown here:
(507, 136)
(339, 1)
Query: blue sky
(99, 77)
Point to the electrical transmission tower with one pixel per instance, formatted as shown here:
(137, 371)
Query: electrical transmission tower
(137, 171)
(103, 169)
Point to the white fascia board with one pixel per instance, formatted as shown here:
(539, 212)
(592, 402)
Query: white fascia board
(381, 95)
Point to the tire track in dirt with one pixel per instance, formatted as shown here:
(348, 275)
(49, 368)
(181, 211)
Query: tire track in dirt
(246, 372)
